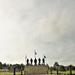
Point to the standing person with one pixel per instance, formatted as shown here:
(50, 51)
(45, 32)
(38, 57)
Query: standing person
(27, 61)
(31, 60)
(39, 61)
(35, 61)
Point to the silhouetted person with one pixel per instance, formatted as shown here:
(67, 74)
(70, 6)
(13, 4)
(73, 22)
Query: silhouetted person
(27, 61)
(31, 60)
(39, 60)
(35, 61)
(43, 61)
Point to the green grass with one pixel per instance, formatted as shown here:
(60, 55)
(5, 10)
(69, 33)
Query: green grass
(63, 72)
(54, 72)
(6, 73)
(9, 73)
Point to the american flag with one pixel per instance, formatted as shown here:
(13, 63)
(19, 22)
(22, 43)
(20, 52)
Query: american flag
(44, 56)
(35, 53)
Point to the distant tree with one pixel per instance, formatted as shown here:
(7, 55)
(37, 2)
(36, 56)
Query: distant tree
(0, 65)
(22, 67)
(18, 67)
(8, 66)
(73, 68)
(53, 68)
(11, 68)
(4, 65)
(55, 65)
(61, 68)
(67, 68)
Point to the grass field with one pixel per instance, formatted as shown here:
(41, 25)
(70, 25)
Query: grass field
(9, 73)
(63, 72)
(6, 73)
(54, 72)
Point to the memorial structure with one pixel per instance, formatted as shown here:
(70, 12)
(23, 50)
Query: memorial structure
(36, 66)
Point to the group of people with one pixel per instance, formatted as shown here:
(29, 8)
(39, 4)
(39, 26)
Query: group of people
(35, 61)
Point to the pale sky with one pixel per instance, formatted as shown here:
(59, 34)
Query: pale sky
(47, 26)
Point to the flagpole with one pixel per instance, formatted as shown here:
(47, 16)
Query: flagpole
(35, 54)
(44, 59)
(25, 59)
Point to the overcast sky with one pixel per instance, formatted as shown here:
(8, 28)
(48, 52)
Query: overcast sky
(47, 26)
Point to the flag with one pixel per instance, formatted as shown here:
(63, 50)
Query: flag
(35, 53)
(44, 56)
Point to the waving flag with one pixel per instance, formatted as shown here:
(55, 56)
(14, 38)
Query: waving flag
(35, 53)
(44, 56)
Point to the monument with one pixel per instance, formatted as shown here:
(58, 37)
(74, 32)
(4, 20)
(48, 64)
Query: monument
(36, 67)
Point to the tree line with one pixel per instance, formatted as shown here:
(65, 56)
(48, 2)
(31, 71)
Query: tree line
(20, 67)
(62, 67)
(11, 66)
